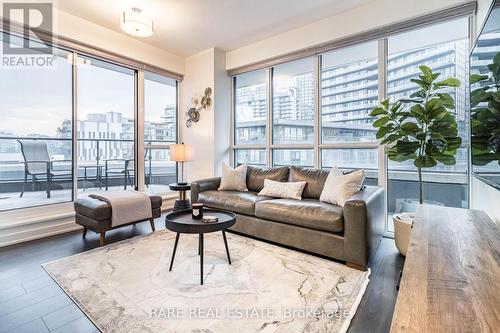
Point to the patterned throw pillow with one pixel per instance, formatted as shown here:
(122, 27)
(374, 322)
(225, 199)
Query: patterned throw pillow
(287, 190)
(233, 179)
(339, 187)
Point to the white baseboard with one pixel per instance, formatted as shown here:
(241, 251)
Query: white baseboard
(29, 231)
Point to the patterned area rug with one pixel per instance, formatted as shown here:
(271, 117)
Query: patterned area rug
(126, 287)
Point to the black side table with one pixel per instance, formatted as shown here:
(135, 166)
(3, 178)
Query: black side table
(181, 222)
(183, 202)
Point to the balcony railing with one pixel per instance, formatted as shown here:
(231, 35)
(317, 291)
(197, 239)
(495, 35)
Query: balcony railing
(100, 162)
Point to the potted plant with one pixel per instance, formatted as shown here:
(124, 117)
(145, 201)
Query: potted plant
(422, 129)
(485, 123)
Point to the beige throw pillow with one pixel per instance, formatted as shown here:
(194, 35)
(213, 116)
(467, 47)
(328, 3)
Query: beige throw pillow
(287, 190)
(233, 179)
(339, 187)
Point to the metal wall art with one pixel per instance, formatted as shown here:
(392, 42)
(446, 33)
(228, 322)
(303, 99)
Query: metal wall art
(193, 114)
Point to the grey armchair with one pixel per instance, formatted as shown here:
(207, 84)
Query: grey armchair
(37, 163)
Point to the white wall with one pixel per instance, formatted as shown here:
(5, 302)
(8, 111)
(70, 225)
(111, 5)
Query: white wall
(198, 75)
(371, 15)
(209, 136)
(485, 197)
(76, 28)
(222, 112)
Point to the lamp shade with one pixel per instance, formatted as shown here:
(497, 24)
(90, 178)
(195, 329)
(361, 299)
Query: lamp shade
(181, 152)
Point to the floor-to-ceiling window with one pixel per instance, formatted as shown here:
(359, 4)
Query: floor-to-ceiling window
(160, 130)
(444, 48)
(318, 114)
(68, 100)
(349, 91)
(249, 126)
(35, 131)
(105, 131)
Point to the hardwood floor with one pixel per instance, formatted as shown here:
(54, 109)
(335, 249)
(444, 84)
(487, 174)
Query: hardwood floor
(30, 301)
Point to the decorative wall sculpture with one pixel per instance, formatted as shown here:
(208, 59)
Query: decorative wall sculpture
(193, 113)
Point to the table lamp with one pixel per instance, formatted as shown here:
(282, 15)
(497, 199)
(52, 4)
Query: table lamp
(181, 153)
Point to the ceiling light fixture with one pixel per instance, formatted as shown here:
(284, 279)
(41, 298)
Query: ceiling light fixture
(135, 23)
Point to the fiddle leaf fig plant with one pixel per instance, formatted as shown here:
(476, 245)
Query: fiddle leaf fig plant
(421, 128)
(485, 123)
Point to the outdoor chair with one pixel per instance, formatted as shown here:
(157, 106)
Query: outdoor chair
(37, 164)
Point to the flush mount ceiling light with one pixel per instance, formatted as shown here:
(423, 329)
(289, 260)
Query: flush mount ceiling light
(135, 23)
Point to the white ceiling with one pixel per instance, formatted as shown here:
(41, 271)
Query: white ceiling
(185, 27)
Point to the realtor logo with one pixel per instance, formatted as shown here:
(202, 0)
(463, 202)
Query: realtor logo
(33, 17)
(28, 35)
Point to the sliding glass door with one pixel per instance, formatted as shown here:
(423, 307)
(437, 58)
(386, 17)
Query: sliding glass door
(105, 131)
(160, 130)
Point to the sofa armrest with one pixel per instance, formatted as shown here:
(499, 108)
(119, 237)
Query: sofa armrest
(363, 225)
(203, 185)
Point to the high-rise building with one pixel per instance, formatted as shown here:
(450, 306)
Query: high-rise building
(348, 94)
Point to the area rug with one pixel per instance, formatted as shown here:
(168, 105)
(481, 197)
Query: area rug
(127, 287)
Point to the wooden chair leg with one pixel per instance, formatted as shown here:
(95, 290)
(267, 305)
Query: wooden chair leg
(102, 239)
(84, 232)
(152, 222)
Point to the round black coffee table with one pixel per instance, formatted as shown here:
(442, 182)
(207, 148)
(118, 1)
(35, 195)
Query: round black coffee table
(182, 222)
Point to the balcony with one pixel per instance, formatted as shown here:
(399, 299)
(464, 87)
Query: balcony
(103, 164)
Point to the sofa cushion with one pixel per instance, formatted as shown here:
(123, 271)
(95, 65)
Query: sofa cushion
(315, 179)
(340, 187)
(233, 179)
(256, 176)
(284, 190)
(235, 201)
(308, 213)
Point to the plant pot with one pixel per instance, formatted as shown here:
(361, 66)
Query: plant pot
(402, 230)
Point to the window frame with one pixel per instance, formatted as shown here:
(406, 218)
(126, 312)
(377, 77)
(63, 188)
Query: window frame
(317, 146)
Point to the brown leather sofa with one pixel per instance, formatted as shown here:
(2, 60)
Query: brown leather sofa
(350, 233)
(95, 215)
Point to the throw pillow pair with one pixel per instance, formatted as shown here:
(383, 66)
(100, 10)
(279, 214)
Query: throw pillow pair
(337, 190)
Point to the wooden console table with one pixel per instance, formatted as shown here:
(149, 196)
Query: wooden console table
(451, 277)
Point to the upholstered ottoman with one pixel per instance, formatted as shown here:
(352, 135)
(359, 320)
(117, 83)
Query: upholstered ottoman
(95, 215)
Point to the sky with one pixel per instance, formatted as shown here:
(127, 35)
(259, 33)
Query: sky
(39, 100)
